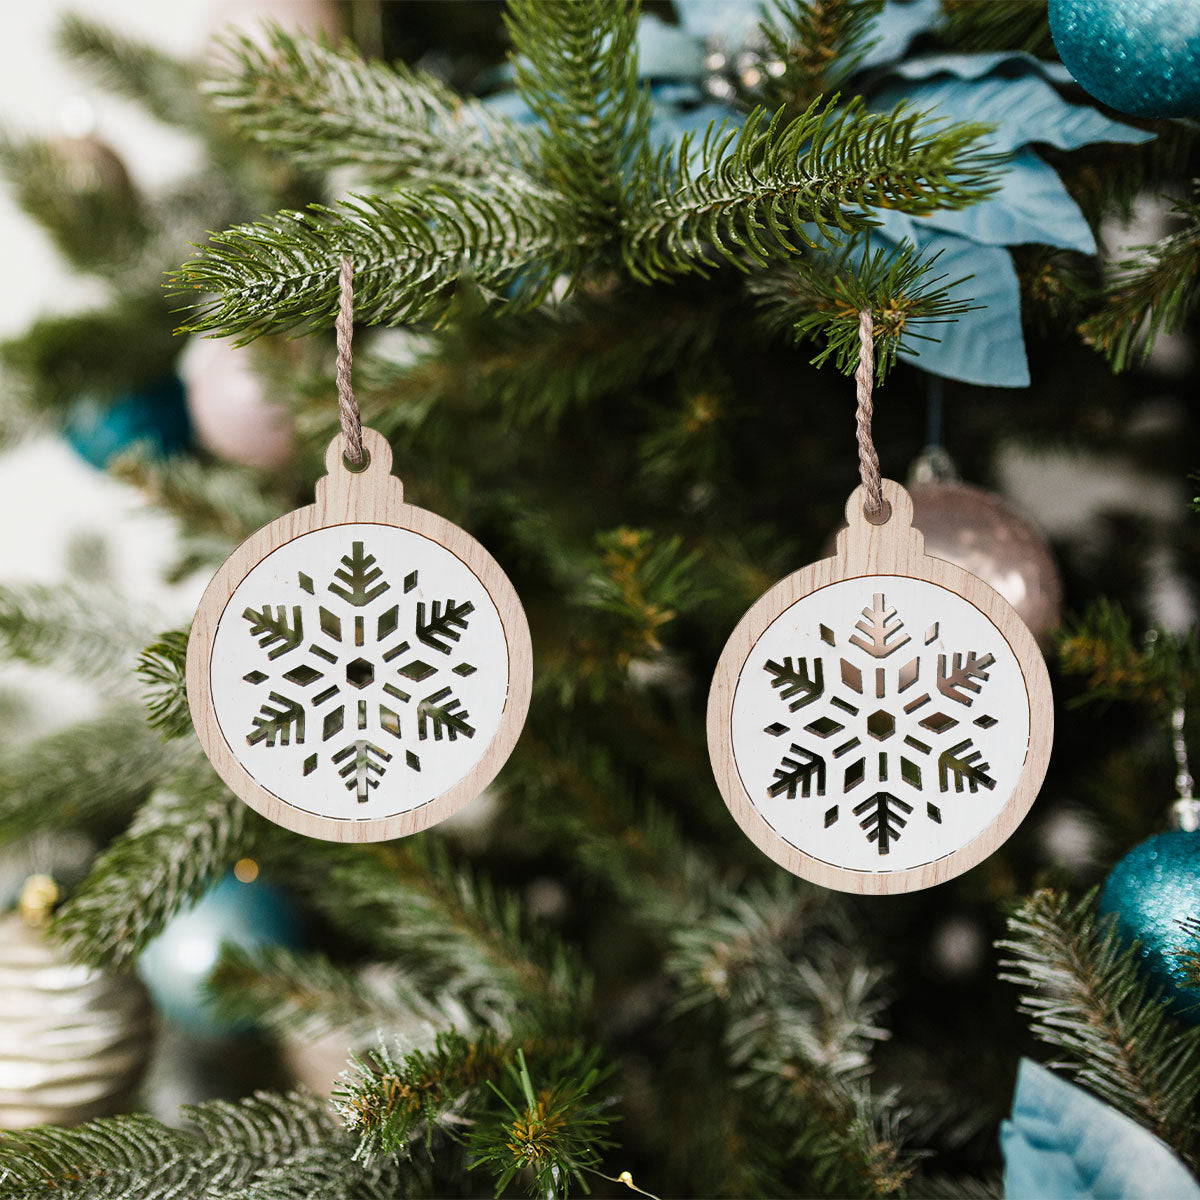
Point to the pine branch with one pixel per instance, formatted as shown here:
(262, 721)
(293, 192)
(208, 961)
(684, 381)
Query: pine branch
(409, 249)
(820, 43)
(820, 297)
(327, 1173)
(387, 1101)
(1117, 665)
(640, 583)
(224, 1151)
(1153, 293)
(88, 776)
(1086, 998)
(285, 990)
(798, 1030)
(745, 195)
(182, 840)
(92, 631)
(90, 212)
(327, 108)
(162, 670)
(743, 954)
(550, 1136)
(536, 366)
(576, 67)
(122, 347)
(165, 87)
(218, 506)
(456, 937)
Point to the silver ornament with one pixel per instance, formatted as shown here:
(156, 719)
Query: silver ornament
(978, 531)
(74, 1040)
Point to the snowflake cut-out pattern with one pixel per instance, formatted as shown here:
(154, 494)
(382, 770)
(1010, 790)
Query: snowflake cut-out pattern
(360, 674)
(883, 723)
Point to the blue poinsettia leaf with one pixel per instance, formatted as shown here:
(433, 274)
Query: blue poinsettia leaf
(1031, 205)
(976, 66)
(1021, 111)
(1063, 1143)
(898, 25)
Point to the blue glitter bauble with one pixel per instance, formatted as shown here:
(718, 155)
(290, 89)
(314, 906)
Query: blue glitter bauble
(1152, 890)
(1138, 56)
(154, 417)
(176, 965)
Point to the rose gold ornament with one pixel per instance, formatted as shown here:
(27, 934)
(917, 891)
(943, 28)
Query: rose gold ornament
(228, 407)
(978, 531)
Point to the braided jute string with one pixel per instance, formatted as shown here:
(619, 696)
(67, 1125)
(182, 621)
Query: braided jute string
(347, 405)
(868, 460)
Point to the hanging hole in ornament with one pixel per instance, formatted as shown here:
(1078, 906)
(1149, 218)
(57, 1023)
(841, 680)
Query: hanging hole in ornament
(882, 517)
(357, 468)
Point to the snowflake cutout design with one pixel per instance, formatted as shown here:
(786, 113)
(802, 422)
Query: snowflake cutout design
(878, 726)
(358, 670)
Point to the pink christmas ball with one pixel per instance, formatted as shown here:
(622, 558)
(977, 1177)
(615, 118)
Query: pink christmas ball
(228, 407)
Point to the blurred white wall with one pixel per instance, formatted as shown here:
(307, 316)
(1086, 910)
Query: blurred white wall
(48, 495)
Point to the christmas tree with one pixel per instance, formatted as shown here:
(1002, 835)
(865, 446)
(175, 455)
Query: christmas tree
(610, 266)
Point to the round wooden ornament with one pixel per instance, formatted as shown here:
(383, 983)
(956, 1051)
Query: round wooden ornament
(361, 668)
(880, 721)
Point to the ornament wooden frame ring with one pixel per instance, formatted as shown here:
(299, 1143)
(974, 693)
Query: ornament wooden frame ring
(866, 549)
(363, 496)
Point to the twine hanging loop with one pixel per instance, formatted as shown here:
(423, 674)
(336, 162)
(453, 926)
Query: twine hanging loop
(875, 507)
(347, 404)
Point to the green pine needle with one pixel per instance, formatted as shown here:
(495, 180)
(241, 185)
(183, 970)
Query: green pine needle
(162, 669)
(254, 1149)
(183, 839)
(410, 249)
(774, 187)
(454, 934)
(1085, 995)
(286, 990)
(327, 108)
(164, 86)
(576, 67)
(820, 296)
(89, 776)
(819, 43)
(92, 631)
(1152, 293)
(388, 1101)
(548, 1137)
(1154, 669)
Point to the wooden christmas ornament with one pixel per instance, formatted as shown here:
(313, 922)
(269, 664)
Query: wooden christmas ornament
(361, 668)
(880, 721)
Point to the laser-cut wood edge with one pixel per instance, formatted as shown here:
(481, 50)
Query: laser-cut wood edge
(894, 548)
(372, 496)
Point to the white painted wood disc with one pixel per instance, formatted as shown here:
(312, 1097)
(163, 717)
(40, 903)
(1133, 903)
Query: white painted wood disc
(359, 678)
(880, 721)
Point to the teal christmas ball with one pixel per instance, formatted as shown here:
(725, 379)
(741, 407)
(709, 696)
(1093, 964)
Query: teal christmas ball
(1154, 892)
(1138, 56)
(155, 417)
(177, 964)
